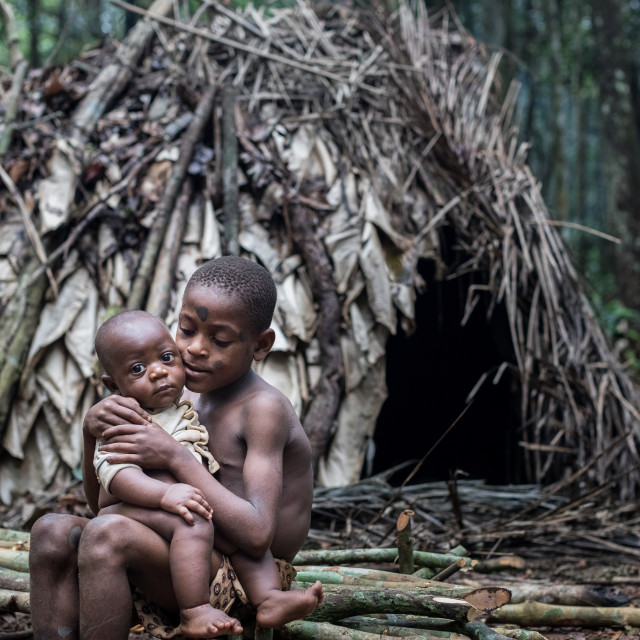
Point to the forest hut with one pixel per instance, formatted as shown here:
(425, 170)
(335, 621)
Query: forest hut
(367, 158)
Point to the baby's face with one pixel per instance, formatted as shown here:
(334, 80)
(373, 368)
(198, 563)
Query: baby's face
(147, 365)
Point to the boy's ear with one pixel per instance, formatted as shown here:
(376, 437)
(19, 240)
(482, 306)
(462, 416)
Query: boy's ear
(110, 383)
(263, 344)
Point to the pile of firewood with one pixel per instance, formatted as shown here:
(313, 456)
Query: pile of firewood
(398, 592)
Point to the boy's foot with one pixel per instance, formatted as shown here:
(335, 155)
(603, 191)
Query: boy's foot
(205, 621)
(284, 606)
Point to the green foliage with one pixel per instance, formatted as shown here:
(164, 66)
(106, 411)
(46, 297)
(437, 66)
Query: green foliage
(622, 326)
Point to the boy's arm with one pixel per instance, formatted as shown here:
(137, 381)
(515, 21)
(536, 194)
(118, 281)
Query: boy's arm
(247, 521)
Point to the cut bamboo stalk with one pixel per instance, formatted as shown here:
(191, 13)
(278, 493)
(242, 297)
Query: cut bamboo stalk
(343, 602)
(404, 541)
(382, 556)
(519, 634)
(359, 573)
(14, 601)
(370, 625)
(480, 631)
(384, 629)
(481, 598)
(305, 630)
(569, 594)
(498, 564)
(14, 559)
(553, 615)
(14, 580)
(14, 534)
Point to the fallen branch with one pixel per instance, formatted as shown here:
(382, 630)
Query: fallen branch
(381, 556)
(548, 615)
(303, 630)
(342, 602)
(14, 601)
(147, 264)
(14, 580)
(569, 594)
(15, 559)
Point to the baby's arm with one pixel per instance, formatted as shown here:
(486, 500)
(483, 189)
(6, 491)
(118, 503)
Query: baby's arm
(133, 486)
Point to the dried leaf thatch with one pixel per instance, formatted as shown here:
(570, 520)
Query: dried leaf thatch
(332, 144)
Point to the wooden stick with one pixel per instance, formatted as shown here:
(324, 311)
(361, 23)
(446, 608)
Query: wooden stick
(14, 601)
(342, 602)
(569, 594)
(405, 541)
(230, 169)
(146, 268)
(390, 554)
(14, 535)
(14, 559)
(538, 613)
(14, 580)
(305, 630)
(163, 275)
(114, 77)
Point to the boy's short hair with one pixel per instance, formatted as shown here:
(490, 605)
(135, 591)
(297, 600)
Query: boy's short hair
(243, 279)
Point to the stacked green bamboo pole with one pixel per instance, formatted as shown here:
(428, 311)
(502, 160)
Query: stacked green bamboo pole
(363, 603)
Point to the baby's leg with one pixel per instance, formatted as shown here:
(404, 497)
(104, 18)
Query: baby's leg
(190, 548)
(261, 582)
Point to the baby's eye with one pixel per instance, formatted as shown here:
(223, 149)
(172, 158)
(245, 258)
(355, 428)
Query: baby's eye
(137, 369)
(168, 357)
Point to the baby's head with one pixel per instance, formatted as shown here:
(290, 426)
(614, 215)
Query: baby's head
(140, 359)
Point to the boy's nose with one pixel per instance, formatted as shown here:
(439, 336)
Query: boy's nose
(197, 347)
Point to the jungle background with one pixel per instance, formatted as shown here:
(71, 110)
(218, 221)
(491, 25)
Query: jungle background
(578, 67)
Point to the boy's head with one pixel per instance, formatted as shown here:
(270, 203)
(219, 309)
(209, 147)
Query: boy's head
(224, 323)
(140, 359)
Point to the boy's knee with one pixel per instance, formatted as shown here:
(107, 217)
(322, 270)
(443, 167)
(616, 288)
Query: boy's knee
(55, 538)
(102, 538)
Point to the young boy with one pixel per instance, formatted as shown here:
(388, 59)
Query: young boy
(261, 497)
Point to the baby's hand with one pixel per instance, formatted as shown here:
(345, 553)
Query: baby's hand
(185, 500)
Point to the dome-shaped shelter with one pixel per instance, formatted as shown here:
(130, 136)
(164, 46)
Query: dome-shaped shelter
(368, 160)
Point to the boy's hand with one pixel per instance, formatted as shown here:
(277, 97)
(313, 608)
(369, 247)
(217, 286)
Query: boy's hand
(183, 499)
(114, 410)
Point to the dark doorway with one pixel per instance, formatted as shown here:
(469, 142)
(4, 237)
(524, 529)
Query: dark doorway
(430, 373)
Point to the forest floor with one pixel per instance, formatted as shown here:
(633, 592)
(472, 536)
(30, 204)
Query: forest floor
(607, 564)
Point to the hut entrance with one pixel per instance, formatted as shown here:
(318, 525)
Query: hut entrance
(429, 375)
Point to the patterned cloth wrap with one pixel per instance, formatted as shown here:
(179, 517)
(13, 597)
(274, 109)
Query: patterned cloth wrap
(225, 591)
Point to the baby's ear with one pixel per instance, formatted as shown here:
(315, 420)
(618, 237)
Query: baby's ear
(263, 344)
(110, 383)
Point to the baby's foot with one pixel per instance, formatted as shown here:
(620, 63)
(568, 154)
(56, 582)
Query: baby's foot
(205, 621)
(284, 606)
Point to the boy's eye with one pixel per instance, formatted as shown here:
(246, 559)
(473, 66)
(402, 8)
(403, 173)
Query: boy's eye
(137, 368)
(168, 357)
(184, 330)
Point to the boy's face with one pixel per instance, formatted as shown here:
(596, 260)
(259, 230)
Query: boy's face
(215, 340)
(146, 365)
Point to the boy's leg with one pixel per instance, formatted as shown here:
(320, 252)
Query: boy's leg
(53, 568)
(188, 560)
(261, 582)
